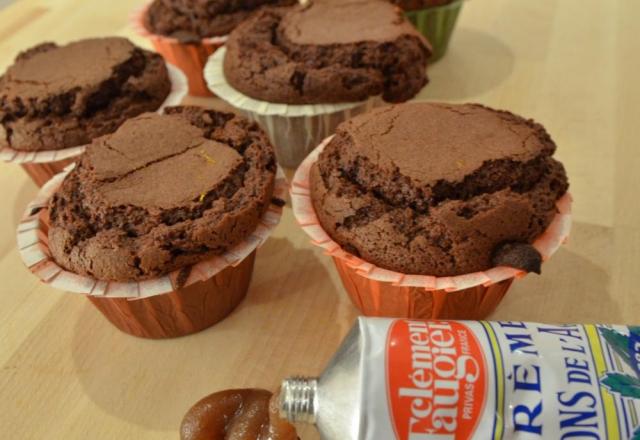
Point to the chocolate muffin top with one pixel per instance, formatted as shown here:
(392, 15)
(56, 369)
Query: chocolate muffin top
(192, 20)
(414, 5)
(56, 97)
(437, 189)
(162, 192)
(327, 52)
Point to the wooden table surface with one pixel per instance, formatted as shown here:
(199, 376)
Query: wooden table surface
(573, 65)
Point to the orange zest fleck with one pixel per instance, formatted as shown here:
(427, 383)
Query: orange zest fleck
(207, 157)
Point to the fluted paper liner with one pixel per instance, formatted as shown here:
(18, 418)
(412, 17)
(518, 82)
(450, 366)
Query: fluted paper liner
(190, 58)
(436, 24)
(381, 292)
(165, 306)
(295, 130)
(42, 165)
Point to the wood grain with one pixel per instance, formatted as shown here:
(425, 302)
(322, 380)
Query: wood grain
(67, 373)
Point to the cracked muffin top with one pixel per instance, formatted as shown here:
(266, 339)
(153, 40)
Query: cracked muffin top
(162, 192)
(56, 97)
(327, 52)
(436, 189)
(192, 20)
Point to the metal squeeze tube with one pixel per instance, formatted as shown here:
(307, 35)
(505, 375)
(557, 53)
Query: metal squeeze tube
(455, 380)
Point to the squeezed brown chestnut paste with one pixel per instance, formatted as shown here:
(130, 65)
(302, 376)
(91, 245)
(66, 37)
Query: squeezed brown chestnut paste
(249, 414)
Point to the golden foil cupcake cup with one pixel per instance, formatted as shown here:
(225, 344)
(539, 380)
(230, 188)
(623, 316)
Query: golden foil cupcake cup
(376, 291)
(182, 302)
(190, 58)
(43, 165)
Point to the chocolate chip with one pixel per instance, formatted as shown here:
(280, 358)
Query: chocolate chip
(183, 276)
(36, 210)
(351, 249)
(521, 256)
(278, 202)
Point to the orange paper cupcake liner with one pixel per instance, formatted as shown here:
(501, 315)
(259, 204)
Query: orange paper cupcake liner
(43, 165)
(190, 58)
(380, 292)
(184, 301)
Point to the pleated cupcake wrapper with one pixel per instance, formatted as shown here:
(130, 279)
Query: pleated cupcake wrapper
(295, 130)
(33, 245)
(547, 244)
(436, 24)
(10, 155)
(190, 58)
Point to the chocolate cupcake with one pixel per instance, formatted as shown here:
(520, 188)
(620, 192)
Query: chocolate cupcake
(301, 70)
(326, 53)
(436, 189)
(56, 98)
(186, 32)
(162, 192)
(437, 192)
(190, 21)
(435, 19)
(164, 199)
